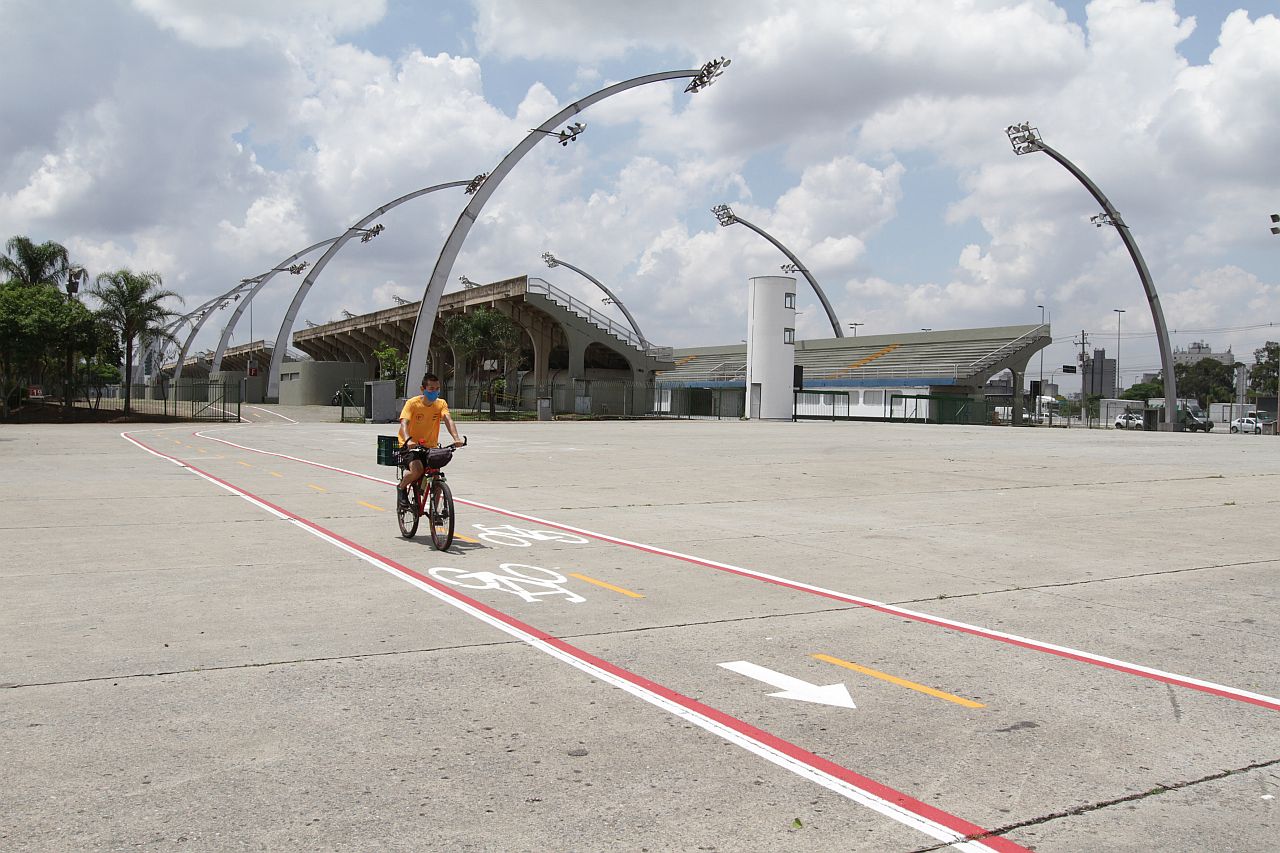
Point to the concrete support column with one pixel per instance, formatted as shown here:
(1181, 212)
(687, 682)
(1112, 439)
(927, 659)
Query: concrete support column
(1015, 412)
(578, 344)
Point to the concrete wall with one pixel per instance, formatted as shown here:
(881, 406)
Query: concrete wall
(771, 353)
(313, 383)
(253, 387)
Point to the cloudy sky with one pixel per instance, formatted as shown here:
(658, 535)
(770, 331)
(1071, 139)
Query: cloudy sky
(209, 139)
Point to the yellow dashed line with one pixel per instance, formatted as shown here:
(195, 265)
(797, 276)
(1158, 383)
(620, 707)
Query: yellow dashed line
(466, 539)
(901, 682)
(317, 488)
(245, 464)
(609, 586)
(202, 450)
(275, 474)
(372, 506)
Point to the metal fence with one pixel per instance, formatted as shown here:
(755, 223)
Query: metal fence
(195, 401)
(604, 398)
(821, 405)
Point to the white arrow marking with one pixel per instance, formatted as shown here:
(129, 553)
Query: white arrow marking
(793, 688)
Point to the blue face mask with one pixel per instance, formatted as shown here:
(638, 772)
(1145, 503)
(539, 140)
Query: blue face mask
(431, 396)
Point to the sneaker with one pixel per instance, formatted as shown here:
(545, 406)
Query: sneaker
(402, 499)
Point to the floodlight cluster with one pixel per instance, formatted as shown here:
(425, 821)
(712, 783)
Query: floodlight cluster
(724, 214)
(707, 75)
(1024, 138)
(550, 260)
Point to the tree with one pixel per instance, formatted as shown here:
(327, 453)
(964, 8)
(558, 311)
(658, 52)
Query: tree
(25, 262)
(484, 334)
(1145, 390)
(1262, 378)
(131, 305)
(1208, 381)
(31, 320)
(392, 364)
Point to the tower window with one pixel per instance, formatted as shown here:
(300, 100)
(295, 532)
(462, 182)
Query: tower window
(789, 300)
(788, 336)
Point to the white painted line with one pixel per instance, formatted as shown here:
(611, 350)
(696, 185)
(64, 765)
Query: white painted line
(269, 412)
(1067, 652)
(920, 816)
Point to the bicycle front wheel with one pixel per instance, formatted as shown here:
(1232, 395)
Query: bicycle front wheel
(440, 515)
(408, 516)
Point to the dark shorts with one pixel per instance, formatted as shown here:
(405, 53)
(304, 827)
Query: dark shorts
(429, 457)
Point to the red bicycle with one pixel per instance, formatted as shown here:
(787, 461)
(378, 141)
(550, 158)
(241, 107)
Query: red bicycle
(429, 496)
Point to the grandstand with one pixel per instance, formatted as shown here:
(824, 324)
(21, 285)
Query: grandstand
(952, 363)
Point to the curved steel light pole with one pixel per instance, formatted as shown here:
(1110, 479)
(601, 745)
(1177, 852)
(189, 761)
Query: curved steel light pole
(205, 311)
(727, 217)
(485, 185)
(1025, 140)
(366, 234)
(552, 261)
(288, 265)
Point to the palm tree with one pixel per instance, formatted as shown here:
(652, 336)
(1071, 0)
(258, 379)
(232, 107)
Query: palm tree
(28, 263)
(131, 304)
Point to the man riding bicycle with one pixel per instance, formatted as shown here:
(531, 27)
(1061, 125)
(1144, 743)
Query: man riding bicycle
(420, 431)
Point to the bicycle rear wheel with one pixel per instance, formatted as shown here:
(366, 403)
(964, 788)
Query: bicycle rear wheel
(440, 515)
(408, 516)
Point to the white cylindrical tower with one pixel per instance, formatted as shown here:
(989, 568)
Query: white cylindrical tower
(771, 347)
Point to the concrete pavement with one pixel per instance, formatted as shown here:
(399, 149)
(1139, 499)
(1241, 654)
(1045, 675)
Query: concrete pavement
(186, 670)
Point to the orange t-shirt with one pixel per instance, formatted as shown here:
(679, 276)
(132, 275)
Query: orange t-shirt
(424, 419)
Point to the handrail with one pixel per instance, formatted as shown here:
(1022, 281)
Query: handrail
(975, 364)
(591, 315)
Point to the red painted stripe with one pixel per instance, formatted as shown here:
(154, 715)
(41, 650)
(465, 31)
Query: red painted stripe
(1020, 642)
(884, 792)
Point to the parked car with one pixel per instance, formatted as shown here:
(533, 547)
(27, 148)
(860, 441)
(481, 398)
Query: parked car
(1129, 420)
(1252, 425)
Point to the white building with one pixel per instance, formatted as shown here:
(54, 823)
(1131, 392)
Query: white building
(771, 347)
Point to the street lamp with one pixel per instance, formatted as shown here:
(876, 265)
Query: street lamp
(707, 75)
(259, 281)
(1118, 311)
(855, 326)
(569, 134)
(726, 217)
(76, 277)
(467, 283)
(400, 300)
(1026, 139)
(485, 187)
(611, 298)
(367, 232)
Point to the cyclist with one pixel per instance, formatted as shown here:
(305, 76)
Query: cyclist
(420, 421)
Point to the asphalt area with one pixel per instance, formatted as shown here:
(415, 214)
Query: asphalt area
(646, 636)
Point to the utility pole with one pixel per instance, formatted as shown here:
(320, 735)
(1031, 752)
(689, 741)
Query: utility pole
(1084, 400)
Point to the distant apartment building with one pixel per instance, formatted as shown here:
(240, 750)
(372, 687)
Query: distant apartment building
(1199, 351)
(1098, 374)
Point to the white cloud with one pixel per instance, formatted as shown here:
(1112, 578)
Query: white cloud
(837, 125)
(235, 23)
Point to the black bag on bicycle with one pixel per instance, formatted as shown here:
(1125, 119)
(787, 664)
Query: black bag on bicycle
(438, 457)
